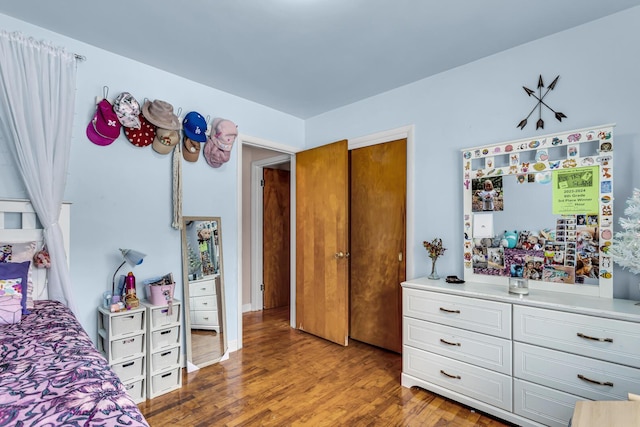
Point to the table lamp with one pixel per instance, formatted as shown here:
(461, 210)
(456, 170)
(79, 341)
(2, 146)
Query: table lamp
(132, 258)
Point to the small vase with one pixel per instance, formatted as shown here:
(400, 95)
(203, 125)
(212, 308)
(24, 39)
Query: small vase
(434, 273)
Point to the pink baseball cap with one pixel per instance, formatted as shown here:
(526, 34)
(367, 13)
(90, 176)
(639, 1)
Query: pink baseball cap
(105, 127)
(214, 156)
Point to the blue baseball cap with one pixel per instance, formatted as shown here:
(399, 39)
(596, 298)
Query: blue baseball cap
(195, 127)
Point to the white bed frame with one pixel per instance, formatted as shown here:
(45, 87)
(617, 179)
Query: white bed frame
(30, 230)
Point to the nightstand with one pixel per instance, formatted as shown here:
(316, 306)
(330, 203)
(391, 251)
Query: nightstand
(122, 341)
(164, 368)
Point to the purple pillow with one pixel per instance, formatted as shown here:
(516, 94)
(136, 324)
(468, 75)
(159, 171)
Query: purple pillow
(17, 270)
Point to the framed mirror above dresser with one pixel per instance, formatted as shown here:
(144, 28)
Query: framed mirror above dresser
(203, 276)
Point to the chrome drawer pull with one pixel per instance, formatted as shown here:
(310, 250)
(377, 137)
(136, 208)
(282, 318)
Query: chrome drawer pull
(449, 311)
(583, 378)
(449, 343)
(587, 337)
(456, 377)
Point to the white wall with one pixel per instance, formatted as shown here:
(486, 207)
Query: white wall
(121, 194)
(482, 102)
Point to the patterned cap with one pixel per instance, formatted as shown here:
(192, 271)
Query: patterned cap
(143, 136)
(127, 109)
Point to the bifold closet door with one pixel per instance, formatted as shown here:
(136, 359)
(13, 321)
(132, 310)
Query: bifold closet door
(378, 229)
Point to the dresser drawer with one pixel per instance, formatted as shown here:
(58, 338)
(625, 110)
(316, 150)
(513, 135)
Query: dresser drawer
(204, 318)
(542, 404)
(487, 317)
(165, 315)
(165, 338)
(203, 303)
(574, 374)
(127, 323)
(607, 339)
(205, 287)
(129, 369)
(481, 350)
(479, 383)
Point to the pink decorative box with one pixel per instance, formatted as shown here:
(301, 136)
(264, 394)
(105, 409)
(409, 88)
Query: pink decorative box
(10, 309)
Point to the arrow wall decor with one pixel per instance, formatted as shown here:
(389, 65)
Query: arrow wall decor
(540, 98)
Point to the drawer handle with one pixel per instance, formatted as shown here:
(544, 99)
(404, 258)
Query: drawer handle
(206, 318)
(457, 377)
(126, 365)
(165, 332)
(166, 353)
(587, 337)
(449, 343)
(583, 378)
(449, 311)
(166, 375)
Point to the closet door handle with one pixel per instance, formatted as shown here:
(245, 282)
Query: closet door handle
(455, 377)
(587, 337)
(449, 343)
(589, 380)
(449, 311)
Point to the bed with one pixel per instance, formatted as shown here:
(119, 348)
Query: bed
(51, 373)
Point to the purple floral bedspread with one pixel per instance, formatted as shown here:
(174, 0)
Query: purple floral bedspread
(51, 374)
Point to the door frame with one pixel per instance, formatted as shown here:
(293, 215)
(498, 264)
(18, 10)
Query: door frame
(363, 141)
(257, 200)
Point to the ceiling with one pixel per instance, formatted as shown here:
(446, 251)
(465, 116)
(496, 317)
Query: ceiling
(306, 57)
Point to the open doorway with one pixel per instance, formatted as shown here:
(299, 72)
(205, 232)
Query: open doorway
(255, 160)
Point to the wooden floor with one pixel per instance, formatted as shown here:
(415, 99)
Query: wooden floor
(284, 377)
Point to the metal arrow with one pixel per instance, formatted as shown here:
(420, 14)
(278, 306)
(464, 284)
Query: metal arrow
(540, 123)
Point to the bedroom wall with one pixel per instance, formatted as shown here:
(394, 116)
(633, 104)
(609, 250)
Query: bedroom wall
(121, 194)
(482, 103)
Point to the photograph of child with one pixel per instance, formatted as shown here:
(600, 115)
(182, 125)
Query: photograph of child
(487, 195)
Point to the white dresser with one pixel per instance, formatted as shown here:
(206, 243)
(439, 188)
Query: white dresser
(527, 359)
(203, 303)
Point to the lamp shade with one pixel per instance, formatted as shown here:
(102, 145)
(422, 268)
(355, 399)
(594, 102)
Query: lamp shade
(132, 257)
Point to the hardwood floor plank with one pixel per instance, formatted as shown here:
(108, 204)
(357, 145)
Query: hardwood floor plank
(285, 377)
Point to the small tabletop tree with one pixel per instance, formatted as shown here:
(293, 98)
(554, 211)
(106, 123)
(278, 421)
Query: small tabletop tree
(625, 249)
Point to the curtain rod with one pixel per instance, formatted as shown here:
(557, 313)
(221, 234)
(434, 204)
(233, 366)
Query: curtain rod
(80, 57)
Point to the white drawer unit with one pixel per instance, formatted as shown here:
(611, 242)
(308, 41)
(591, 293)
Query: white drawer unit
(487, 317)
(122, 341)
(525, 359)
(607, 339)
(481, 350)
(164, 367)
(479, 383)
(203, 303)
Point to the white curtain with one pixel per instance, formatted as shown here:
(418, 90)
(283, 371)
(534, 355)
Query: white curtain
(37, 97)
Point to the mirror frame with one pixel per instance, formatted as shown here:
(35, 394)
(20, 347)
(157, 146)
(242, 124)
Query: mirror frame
(186, 300)
(478, 162)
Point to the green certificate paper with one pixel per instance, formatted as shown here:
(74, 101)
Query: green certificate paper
(575, 190)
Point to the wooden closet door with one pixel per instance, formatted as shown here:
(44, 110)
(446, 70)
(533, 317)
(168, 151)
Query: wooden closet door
(322, 240)
(378, 230)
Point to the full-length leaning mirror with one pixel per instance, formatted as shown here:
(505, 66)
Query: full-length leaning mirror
(203, 280)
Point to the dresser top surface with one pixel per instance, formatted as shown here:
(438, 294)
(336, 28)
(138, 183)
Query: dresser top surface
(605, 307)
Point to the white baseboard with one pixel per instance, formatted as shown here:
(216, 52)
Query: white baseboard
(246, 308)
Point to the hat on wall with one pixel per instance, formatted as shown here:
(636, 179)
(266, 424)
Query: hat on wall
(160, 114)
(165, 140)
(195, 126)
(127, 109)
(214, 156)
(105, 127)
(191, 150)
(224, 133)
(143, 136)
